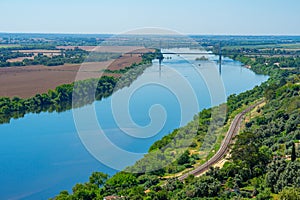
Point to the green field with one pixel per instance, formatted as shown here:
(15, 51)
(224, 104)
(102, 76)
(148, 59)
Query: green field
(288, 46)
(9, 46)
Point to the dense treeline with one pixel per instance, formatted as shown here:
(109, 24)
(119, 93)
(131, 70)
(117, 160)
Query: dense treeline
(29, 40)
(59, 99)
(66, 56)
(8, 54)
(265, 51)
(264, 160)
(271, 65)
(30, 46)
(248, 41)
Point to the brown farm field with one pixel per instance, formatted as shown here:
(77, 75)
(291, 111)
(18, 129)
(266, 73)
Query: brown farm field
(27, 81)
(19, 59)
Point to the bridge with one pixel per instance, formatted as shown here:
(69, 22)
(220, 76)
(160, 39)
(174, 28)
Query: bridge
(161, 57)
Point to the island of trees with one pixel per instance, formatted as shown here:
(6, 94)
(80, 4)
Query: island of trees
(202, 58)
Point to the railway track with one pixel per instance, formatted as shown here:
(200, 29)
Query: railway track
(233, 130)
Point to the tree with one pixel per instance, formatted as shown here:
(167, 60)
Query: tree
(289, 194)
(63, 195)
(293, 156)
(184, 158)
(85, 191)
(98, 178)
(204, 186)
(120, 181)
(282, 174)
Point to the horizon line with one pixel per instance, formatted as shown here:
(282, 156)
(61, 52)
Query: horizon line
(189, 34)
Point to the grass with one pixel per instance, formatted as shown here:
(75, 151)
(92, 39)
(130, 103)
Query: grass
(291, 46)
(248, 188)
(7, 46)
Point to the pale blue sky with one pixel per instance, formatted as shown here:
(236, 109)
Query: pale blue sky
(245, 17)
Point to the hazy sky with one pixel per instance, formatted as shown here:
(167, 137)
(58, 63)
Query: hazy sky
(258, 17)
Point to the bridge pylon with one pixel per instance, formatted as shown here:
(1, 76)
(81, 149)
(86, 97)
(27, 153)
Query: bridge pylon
(220, 59)
(160, 59)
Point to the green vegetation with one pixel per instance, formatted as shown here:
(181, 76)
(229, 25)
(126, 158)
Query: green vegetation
(268, 139)
(7, 46)
(263, 65)
(289, 194)
(51, 40)
(7, 54)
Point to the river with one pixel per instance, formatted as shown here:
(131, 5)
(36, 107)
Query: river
(42, 154)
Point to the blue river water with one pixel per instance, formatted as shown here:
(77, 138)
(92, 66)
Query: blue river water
(42, 154)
